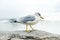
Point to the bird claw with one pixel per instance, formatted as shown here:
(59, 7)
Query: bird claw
(34, 29)
(27, 31)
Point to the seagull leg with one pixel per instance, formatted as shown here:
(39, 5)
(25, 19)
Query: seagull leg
(27, 28)
(32, 27)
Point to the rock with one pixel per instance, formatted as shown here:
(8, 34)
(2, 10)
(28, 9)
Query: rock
(33, 35)
(16, 39)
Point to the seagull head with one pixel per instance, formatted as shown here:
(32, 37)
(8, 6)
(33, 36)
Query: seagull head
(39, 15)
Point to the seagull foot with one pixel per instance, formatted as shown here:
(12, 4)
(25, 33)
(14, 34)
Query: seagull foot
(34, 29)
(27, 31)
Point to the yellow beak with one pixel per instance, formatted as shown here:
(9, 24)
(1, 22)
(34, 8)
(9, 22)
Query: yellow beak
(41, 17)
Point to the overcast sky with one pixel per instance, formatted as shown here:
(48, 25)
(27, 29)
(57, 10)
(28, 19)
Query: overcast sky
(19, 8)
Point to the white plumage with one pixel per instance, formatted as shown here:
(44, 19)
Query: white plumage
(28, 20)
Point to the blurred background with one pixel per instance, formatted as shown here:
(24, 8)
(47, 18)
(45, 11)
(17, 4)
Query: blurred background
(49, 9)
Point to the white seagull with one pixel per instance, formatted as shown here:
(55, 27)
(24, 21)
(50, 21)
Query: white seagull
(28, 20)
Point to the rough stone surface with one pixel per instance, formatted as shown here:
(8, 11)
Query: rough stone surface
(32, 35)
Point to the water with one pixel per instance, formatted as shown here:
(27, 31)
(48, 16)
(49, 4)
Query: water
(45, 25)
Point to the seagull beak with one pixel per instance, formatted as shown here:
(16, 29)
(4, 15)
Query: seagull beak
(41, 17)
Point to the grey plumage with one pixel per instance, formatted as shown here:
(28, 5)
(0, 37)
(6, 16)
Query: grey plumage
(27, 18)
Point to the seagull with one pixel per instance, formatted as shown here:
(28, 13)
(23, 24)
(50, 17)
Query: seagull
(29, 20)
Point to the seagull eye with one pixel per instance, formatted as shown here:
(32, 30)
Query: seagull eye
(39, 14)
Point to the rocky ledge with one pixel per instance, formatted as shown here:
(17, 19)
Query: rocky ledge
(32, 35)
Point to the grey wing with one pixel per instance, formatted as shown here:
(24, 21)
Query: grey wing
(27, 18)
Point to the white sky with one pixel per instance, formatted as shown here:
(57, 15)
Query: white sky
(17, 8)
